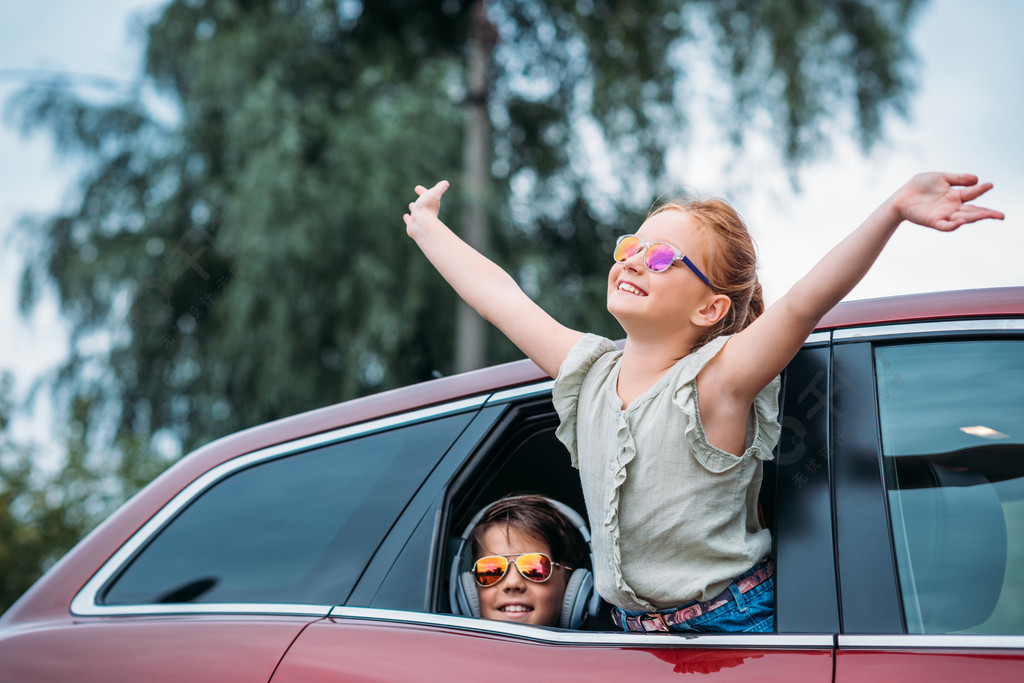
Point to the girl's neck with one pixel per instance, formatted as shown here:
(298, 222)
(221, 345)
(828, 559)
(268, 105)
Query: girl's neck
(644, 362)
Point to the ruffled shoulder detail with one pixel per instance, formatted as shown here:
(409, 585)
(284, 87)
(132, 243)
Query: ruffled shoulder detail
(688, 369)
(766, 412)
(762, 432)
(566, 391)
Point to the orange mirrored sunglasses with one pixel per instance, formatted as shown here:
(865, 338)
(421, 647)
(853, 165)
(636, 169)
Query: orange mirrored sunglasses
(536, 567)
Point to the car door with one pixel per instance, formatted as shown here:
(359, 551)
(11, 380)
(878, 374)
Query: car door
(929, 451)
(398, 625)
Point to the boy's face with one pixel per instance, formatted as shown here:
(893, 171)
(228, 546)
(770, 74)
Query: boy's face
(514, 598)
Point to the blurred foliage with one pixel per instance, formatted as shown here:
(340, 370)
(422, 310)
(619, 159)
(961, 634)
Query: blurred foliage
(42, 515)
(235, 251)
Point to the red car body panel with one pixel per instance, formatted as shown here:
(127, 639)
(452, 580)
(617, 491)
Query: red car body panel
(915, 665)
(167, 648)
(335, 650)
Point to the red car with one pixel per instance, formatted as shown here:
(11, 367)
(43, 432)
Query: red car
(320, 547)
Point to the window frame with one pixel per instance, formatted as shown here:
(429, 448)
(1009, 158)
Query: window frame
(86, 601)
(871, 602)
(806, 591)
(803, 538)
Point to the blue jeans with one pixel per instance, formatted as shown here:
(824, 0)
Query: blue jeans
(750, 612)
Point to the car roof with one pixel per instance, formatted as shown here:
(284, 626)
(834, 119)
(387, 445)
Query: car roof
(967, 303)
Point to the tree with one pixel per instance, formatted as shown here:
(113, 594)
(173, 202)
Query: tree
(243, 258)
(19, 555)
(42, 515)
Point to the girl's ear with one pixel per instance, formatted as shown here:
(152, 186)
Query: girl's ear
(713, 310)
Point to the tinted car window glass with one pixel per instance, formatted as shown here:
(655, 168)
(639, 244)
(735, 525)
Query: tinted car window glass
(952, 424)
(294, 530)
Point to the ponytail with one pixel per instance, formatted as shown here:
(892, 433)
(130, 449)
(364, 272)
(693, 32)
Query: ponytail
(756, 307)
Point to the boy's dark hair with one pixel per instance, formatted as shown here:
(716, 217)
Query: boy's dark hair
(534, 515)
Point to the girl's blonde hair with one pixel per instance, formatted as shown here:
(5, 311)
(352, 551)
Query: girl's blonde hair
(730, 261)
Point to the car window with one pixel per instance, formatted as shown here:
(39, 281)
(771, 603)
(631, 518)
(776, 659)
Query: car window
(952, 425)
(294, 530)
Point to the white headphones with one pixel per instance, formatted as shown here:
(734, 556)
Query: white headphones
(581, 600)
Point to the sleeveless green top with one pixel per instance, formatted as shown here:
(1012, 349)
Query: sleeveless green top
(672, 518)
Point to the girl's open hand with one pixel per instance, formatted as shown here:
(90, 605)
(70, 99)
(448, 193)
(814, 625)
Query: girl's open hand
(941, 200)
(425, 208)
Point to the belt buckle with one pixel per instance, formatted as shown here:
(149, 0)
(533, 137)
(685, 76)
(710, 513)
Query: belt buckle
(654, 621)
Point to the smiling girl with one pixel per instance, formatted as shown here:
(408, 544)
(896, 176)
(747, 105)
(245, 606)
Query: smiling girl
(669, 434)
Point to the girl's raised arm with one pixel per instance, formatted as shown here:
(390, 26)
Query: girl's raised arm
(935, 200)
(487, 288)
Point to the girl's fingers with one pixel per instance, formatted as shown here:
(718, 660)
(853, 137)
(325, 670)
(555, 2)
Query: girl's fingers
(966, 179)
(441, 186)
(969, 194)
(977, 213)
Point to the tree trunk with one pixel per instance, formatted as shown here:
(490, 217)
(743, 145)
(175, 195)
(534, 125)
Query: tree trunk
(470, 328)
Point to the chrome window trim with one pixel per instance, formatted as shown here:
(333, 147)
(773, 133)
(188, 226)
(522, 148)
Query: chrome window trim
(818, 338)
(256, 609)
(567, 637)
(521, 392)
(941, 326)
(961, 641)
(84, 602)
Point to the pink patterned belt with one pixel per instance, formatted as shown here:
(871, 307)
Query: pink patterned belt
(661, 621)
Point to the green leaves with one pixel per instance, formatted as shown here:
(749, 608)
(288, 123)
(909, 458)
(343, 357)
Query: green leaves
(43, 513)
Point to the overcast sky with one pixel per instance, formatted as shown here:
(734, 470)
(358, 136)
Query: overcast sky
(965, 116)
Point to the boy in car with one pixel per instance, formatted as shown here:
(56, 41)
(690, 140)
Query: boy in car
(527, 557)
